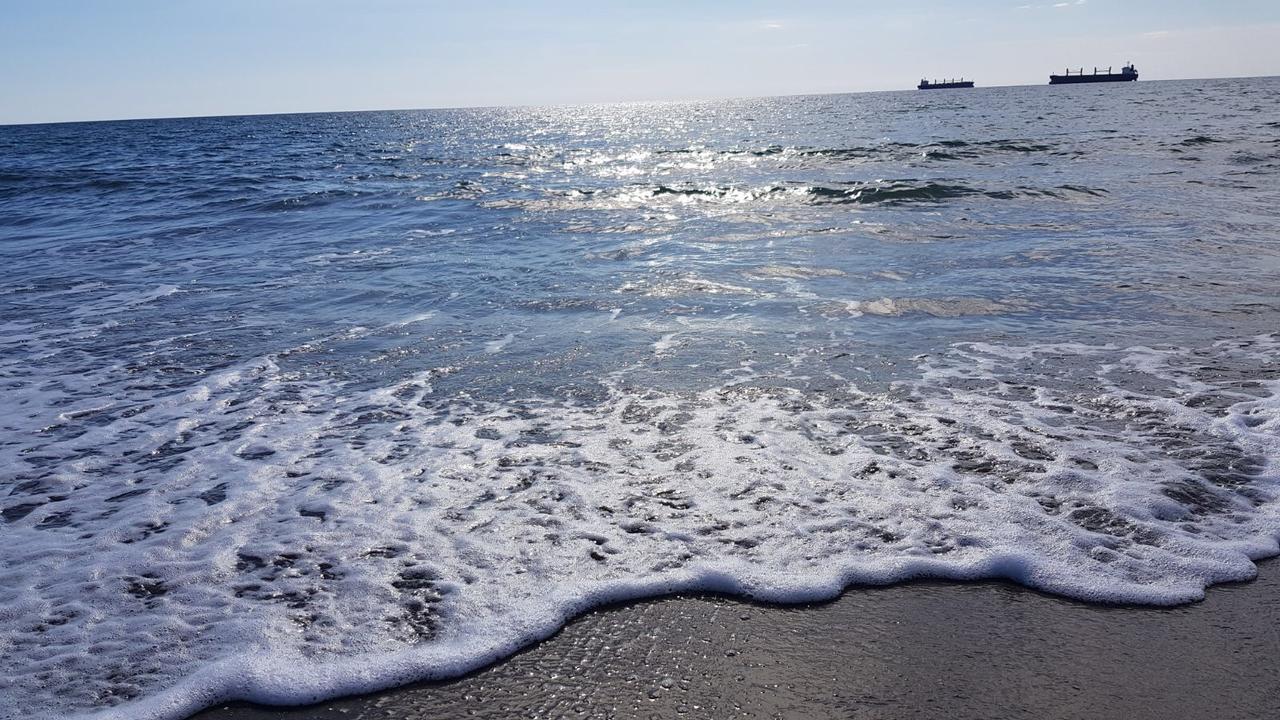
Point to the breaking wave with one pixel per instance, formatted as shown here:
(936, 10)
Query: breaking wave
(299, 539)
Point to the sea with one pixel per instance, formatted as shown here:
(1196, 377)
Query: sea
(295, 406)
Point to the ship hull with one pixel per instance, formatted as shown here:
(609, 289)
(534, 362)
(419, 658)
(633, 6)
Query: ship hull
(944, 86)
(1105, 77)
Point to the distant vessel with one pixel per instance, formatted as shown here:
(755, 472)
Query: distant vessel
(935, 85)
(1127, 73)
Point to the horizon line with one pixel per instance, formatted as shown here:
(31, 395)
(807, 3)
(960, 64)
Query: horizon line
(554, 105)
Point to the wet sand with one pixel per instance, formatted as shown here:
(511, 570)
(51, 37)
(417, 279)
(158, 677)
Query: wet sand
(919, 650)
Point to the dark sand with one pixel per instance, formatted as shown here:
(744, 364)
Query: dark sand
(920, 650)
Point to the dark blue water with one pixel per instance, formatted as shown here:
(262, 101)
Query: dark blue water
(307, 404)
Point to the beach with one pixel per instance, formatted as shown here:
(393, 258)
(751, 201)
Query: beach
(916, 650)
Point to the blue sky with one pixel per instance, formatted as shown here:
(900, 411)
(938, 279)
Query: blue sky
(98, 59)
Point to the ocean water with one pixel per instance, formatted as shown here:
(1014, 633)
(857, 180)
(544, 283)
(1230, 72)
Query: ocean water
(304, 405)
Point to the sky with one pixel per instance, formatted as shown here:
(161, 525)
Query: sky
(106, 59)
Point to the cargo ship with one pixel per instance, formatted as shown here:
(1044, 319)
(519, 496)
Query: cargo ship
(1127, 73)
(944, 85)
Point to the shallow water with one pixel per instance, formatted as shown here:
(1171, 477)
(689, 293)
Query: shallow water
(299, 405)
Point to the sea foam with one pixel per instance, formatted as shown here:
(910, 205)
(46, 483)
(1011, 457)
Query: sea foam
(283, 539)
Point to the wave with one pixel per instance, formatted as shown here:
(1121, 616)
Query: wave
(885, 150)
(888, 193)
(794, 272)
(676, 285)
(1201, 140)
(640, 160)
(266, 537)
(937, 307)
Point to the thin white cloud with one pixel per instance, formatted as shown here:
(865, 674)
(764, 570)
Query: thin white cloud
(1057, 5)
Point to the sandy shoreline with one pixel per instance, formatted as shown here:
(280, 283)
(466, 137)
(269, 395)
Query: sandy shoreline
(924, 649)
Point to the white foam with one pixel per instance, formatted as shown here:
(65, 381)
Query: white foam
(664, 344)
(413, 319)
(937, 307)
(351, 257)
(890, 275)
(123, 301)
(688, 284)
(794, 272)
(494, 347)
(286, 540)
